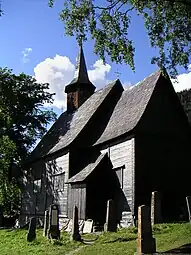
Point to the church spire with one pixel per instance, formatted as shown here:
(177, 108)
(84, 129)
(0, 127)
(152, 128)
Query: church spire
(80, 88)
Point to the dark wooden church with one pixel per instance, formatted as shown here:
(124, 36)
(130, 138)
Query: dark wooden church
(112, 144)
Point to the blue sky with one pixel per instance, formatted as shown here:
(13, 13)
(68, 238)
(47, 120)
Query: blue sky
(31, 28)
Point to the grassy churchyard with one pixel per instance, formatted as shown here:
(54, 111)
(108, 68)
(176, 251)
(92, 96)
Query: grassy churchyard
(168, 237)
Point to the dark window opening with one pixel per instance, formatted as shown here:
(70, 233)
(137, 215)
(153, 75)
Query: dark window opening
(119, 172)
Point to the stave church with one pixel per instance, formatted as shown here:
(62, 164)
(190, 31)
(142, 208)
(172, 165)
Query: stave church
(115, 144)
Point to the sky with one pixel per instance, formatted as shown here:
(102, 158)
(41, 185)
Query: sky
(33, 42)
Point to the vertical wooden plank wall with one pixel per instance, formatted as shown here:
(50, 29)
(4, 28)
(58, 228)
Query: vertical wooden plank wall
(123, 154)
(77, 196)
(58, 166)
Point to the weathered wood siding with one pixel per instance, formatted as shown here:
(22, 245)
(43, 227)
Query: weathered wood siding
(122, 154)
(35, 203)
(77, 197)
(56, 167)
(162, 147)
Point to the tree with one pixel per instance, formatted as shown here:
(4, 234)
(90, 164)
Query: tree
(168, 24)
(185, 98)
(23, 120)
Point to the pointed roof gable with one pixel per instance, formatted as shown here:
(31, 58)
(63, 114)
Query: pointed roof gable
(81, 73)
(69, 126)
(84, 173)
(125, 116)
(130, 108)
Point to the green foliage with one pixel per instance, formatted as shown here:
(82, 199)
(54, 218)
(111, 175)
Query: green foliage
(9, 191)
(168, 24)
(23, 120)
(185, 98)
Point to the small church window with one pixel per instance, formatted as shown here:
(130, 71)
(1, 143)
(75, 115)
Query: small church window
(119, 172)
(37, 186)
(59, 181)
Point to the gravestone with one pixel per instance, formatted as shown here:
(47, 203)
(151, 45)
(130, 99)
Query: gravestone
(146, 244)
(46, 221)
(88, 225)
(32, 230)
(188, 202)
(53, 231)
(111, 222)
(156, 208)
(75, 235)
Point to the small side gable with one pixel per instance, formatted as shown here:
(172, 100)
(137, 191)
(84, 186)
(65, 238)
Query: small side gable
(164, 113)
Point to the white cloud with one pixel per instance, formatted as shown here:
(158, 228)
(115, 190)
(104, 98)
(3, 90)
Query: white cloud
(98, 74)
(59, 71)
(26, 52)
(184, 81)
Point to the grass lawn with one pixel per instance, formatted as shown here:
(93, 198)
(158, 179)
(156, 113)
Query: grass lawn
(14, 242)
(168, 236)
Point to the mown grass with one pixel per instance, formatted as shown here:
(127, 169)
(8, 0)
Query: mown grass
(15, 242)
(168, 236)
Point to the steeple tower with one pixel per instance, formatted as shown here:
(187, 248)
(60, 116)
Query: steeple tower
(80, 88)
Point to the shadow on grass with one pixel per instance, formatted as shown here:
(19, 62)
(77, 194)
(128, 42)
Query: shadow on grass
(120, 239)
(184, 249)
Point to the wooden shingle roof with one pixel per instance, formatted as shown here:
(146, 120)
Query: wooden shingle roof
(125, 116)
(83, 174)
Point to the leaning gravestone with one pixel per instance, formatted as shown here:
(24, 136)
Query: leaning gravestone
(145, 243)
(75, 235)
(53, 231)
(111, 222)
(156, 208)
(88, 225)
(188, 202)
(46, 221)
(32, 230)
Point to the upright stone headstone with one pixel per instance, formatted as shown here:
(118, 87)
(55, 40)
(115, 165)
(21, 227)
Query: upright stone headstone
(188, 202)
(111, 221)
(46, 221)
(53, 231)
(145, 243)
(88, 225)
(75, 235)
(32, 230)
(156, 208)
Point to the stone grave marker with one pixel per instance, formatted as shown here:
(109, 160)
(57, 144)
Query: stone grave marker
(156, 208)
(111, 222)
(88, 225)
(146, 244)
(53, 231)
(46, 221)
(75, 235)
(188, 202)
(31, 236)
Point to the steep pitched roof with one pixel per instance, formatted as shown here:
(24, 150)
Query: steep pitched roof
(130, 108)
(68, 126)
(81, 74)
(125, 116)
(83, 174)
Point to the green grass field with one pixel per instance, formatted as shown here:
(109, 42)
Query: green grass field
(168, 236)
